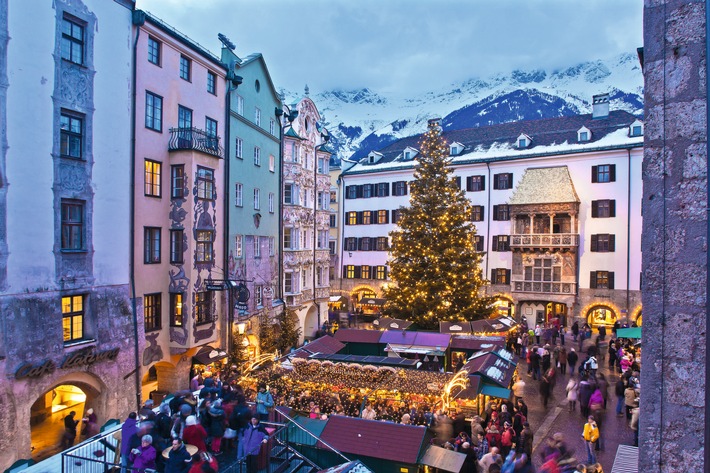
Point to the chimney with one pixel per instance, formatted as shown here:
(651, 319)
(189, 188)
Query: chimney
(600, 106)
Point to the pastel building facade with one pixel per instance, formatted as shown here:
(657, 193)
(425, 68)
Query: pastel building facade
(556, 205)
(179, 201)
(306, 217)
(67, 337)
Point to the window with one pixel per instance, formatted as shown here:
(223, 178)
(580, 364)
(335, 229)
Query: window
(383, 189)
(351, 192)
(500, 276)
(151, 245)
(240, 105)
(366, 191)
(152, 178)
(351, 243)
(271, 202)
(503, 181)
(381, 244)
(349, 271)
(257, 116)
(381, 272)
(239, 246)
(289, 283)
(583, 136)
(259, 295)
(272, 163)
(399, 188)
(257, 246)
(203, 248)
(457, 179)
(477, 213)
(604, 173)
(72, 225)
(185, 66)
(522, 142)
(72, 41)
(153, 111)
(333, 220)
(478, 243)
(501, 243)
(636, 130)
(238, 148)
(211, 132)
(475, 183)
(154, 51)
(319, 276)
(601, 280)
(205, 183)
(351, 218)
(331, 245)
(501, 212)
(71, 131)
(603, 243)
(238, 195)
(290, 194)
(211, 82)
(396, 215)
(323, 164)
(184, 118)
(176, 309)
(203, 304)
(382, 216)
(177, 181)
(73, 318)
(294, 153)
(257, 199)
(257, 156)
(151, 312)
(365, 272)
(366, 217)
(290, 238)
(543, 270)
(333, 196)
(603, 208)
(177, 246)
(272, 126)
(272, 247)
(304, 276)
(365, 244)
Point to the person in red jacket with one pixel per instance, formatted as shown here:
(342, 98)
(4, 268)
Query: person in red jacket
(195, 434)
(205, 464)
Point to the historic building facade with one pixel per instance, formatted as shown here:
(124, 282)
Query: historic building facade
(67, 338)
(306, 217)
(254, 209)
(179, 201)
(556, 204)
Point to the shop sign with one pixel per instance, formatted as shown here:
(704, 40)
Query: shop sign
(74, 360)
(28, 370)
(243, 295)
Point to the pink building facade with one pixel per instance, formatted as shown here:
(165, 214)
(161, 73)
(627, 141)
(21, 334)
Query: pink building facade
(179, 176)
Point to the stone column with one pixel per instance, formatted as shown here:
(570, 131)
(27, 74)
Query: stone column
(674, 244)
(532, 223)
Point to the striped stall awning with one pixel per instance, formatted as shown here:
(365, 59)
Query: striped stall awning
(627, 460)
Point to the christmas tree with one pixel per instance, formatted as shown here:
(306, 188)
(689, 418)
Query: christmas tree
(434, 266)
(289, 331)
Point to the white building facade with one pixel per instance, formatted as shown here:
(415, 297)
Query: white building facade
(556, 204)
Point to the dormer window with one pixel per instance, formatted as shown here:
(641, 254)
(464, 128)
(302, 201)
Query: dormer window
(373, 157)
(455, 148)
(636, 128)
(409, 153)
(583, 134)
(523, 141)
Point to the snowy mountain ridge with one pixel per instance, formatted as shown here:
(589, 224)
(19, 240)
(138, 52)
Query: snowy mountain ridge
(362, 120)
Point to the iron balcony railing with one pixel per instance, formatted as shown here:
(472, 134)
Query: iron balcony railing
(544, 240)
(194, 139)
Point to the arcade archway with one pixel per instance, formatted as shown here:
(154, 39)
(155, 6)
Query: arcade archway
(601, 315)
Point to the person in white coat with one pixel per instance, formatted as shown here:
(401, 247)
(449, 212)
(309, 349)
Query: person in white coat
(572, 393)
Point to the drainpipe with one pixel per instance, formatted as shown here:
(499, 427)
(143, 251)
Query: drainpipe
(315, 222)
(488, 220)
(138, 21)
(226, 194)
(628, 233)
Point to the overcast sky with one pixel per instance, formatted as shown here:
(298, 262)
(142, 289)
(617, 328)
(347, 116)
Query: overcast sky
(407, 45)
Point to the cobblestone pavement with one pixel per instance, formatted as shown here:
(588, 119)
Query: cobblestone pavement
(557, 418)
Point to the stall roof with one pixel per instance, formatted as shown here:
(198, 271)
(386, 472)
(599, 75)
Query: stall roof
(632, 332)
(398, 337)
(497, 366)
(387, 323)
(495, 391)
(473, 389)
(373, 301)
(366, 360)
(358, 335)
(350, 467)
(455, 327)
(443, 459)
(324, 344)
(476, 342)
(433, 339)
(335, 298)
(373, 438)
(208, 354)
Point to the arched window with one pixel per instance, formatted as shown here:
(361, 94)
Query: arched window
(601, 315)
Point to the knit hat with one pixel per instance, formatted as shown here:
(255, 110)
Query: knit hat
(149, 403)
(191, 420)
(185, 409)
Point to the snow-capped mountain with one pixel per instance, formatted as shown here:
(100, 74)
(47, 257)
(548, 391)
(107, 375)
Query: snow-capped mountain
(362, 120)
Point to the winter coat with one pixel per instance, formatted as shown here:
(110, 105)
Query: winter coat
(145, 459)
(195, 435)
(128, 430)
(585, 393)
(591, 432)
(178, 460)
(264, 402)
(250, 440)
(571, 390)
(216, 415)
(572, 358)
(596, 398)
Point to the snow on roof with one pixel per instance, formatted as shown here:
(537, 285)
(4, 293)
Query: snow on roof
(545, 186)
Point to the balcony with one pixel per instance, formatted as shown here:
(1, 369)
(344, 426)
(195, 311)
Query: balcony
(542, 287)
(194, 139)
(544, 240)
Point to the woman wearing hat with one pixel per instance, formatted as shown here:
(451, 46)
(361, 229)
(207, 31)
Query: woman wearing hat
(194, 434)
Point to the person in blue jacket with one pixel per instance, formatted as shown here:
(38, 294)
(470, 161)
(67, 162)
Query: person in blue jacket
(250, 440)
(264, 402)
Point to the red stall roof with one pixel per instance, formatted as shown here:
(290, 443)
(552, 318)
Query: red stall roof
(352, 335)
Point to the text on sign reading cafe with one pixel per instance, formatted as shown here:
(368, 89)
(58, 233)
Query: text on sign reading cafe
(73, 360)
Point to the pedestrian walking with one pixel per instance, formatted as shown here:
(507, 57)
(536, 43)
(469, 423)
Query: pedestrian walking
(575, 330)
(562, 336)
(69, 430)
(562, 360)
(571, 389)
(545, 389)
(590, 436)
(572, 358)
(538, 332)
(619, 389)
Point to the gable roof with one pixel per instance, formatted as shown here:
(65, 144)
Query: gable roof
(258, 57)
(324, 344)
(499, 142)
(352, 335)
(350, 467)
(545, 186)
(377, 439)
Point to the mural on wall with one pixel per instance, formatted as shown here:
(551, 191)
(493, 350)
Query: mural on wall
(153, 352)
(179, 282)
(205, 219)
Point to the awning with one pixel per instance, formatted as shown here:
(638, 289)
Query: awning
(627, 460)
(495, 391)
(208, 354)
(633, 332)
(443, 459)
(335, 298)
(373, 301)
(413, 349)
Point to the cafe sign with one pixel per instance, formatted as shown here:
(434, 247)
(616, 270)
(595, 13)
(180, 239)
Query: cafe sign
(73, 360)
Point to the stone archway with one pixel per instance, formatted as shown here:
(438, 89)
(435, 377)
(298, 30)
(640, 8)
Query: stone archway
(310, 324)
(601, 314)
